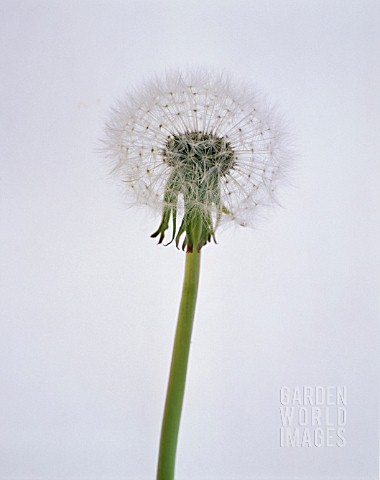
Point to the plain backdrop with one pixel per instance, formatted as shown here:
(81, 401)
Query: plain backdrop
(89, 302)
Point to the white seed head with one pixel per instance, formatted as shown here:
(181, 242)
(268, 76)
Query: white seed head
(195, 142)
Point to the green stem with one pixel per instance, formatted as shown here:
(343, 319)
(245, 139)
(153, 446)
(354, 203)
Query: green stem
(178, 369)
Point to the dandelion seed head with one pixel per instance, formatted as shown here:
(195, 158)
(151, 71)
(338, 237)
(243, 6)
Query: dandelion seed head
(194, 142)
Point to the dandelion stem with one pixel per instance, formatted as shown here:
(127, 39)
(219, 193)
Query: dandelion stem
(178, 369)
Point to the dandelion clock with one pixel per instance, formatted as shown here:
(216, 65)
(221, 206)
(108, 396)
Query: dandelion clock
(203, 152)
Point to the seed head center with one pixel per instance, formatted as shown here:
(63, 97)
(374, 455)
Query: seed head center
(198, 151)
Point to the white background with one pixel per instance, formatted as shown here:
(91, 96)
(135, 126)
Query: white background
(89, 302)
